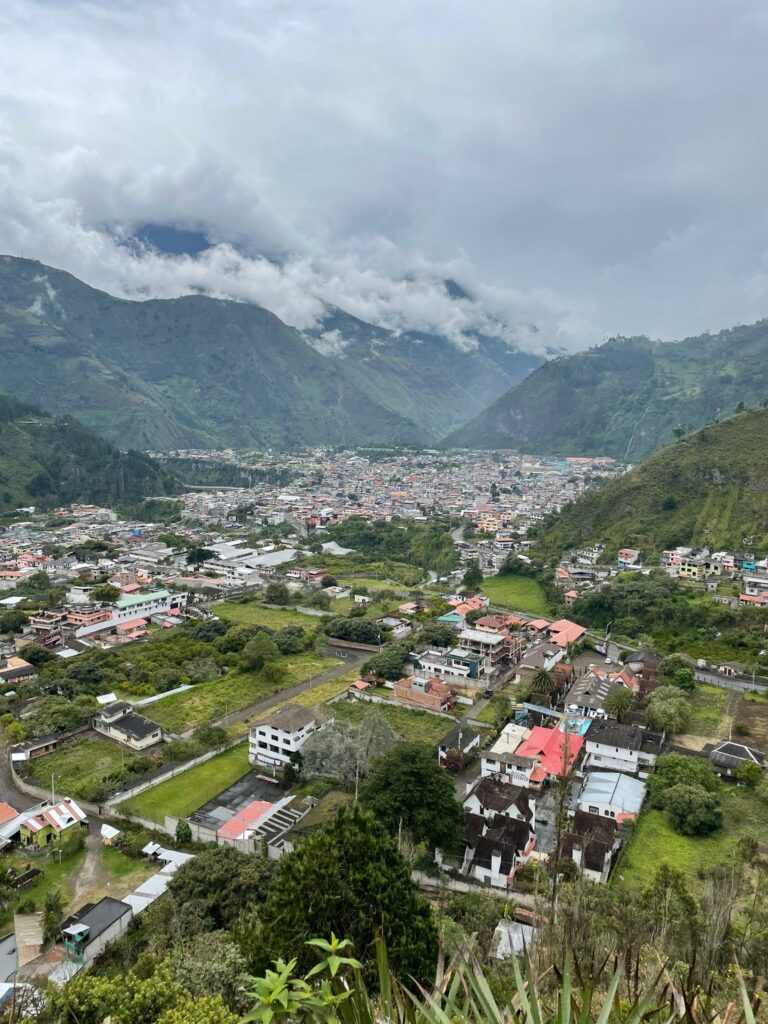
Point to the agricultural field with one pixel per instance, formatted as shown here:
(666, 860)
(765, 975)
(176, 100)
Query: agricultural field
(233, 692)
(751, 711)
(411, 725)
(518, 593)
(80, 766)
(253, 614)
(708, 712)
(184, 793)
(654, 841)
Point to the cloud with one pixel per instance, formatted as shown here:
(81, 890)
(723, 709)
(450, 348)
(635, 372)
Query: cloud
(579, 169)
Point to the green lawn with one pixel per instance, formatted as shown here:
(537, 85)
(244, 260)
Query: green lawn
(654, 841)
(708, 703)
(220, 697)
(185, 793)
(253, 614)
(489, 712)
(80, 766)
(518, 593)
(371, 584)
(411, 725)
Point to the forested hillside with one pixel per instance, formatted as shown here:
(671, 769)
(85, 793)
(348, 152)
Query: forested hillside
(710, 488)
(46, 461)
(626, 398)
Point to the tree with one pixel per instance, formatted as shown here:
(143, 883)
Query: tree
(330, 581)
(277, 593)
(543, 681)
(105, 592)
(197, 555)
(668, 710)
(13, 621)
(218, 885)
(684, 680)
(619, 702)
(693, 811)
(349, 879)
(183, 833)
(210, 964)
(749, 773)
(676, 770)
(347, 752)
(438, 634)
(388, 664)
(408, 790)
(257, 652)
(53, 914)
(472, 580)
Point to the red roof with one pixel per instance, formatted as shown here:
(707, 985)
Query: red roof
(248, 818)
(7, 813)
(547, 746)
(564, 632)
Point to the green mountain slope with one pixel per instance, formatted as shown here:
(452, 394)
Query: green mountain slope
(188, 372)
(204, 372)
(424, 377)
(710, 488)
(48, 462)
(627, 397)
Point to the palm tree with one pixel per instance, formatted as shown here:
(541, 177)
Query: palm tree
(543, 681)
(619, 702)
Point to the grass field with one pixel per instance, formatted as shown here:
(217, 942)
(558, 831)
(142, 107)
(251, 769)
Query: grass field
(185, 793)
(253, 614)
(752, 711)
(654, 841)
(235, 691)
(411, 725)
(371, 584)
(517, 593)
(79, 766)
(708, 704)
(489, 712)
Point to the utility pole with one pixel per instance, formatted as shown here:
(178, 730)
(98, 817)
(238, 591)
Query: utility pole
(53, 788)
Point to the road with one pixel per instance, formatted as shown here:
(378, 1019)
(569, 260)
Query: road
(8, 791)
(261, 706)
(739, 684)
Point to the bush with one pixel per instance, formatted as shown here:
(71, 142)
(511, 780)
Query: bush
(693, 811)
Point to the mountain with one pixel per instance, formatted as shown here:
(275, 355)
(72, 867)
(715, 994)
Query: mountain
(203, 372)
(626, 398)
(422, 376)
(48, 462)
(708, 489)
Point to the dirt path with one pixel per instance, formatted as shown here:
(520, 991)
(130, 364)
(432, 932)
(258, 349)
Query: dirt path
(91, 874)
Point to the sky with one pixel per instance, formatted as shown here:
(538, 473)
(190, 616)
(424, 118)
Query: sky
(580, 169)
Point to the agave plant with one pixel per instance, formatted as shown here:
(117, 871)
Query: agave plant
(334, 992)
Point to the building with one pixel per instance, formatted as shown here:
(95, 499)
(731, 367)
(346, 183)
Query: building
(275, 739)
(455, 666)
(399, 628)
(591, 842)
(462, 738)
(44, 826)
(422, 692)
(488, 644)
(589, 693)
(120, 722)
(133, 607)
(622, 748)
(552, 749)
(88, 932)
(16, 670)
(612, 795)
(494, 851)
(728, 757)
(490, 797)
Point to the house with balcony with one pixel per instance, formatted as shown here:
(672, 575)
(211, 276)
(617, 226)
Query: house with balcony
(118, 721)
(614, 746)
(276, 738)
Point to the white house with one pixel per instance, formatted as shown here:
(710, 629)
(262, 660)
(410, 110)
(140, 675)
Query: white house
(623, 748)
(120, 722)
(283, 733)
(490, 797)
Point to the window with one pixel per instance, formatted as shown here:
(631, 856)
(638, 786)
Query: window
(594, 810)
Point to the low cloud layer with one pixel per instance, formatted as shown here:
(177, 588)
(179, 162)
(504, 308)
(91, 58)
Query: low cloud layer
(580, 170)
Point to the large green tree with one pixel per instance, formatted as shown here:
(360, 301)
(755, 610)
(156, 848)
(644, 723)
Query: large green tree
(693, 811)
(218, 885)
(408, 790)
(680, 770)
(349, 878)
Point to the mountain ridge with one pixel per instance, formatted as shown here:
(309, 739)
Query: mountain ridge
(708, 489)
(198, 371)
(626, 398)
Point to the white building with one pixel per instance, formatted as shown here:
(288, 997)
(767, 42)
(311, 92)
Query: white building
(137, 606)
(612, 795)
(273, 740)
(622, 748)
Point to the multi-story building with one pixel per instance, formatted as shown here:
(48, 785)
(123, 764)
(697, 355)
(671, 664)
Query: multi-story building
(276, 738)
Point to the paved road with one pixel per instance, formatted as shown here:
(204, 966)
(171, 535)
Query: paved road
(739, 684)
(261, 706)
(8, 791)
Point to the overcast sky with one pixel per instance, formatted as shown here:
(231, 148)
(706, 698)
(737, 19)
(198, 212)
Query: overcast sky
(589, 168)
